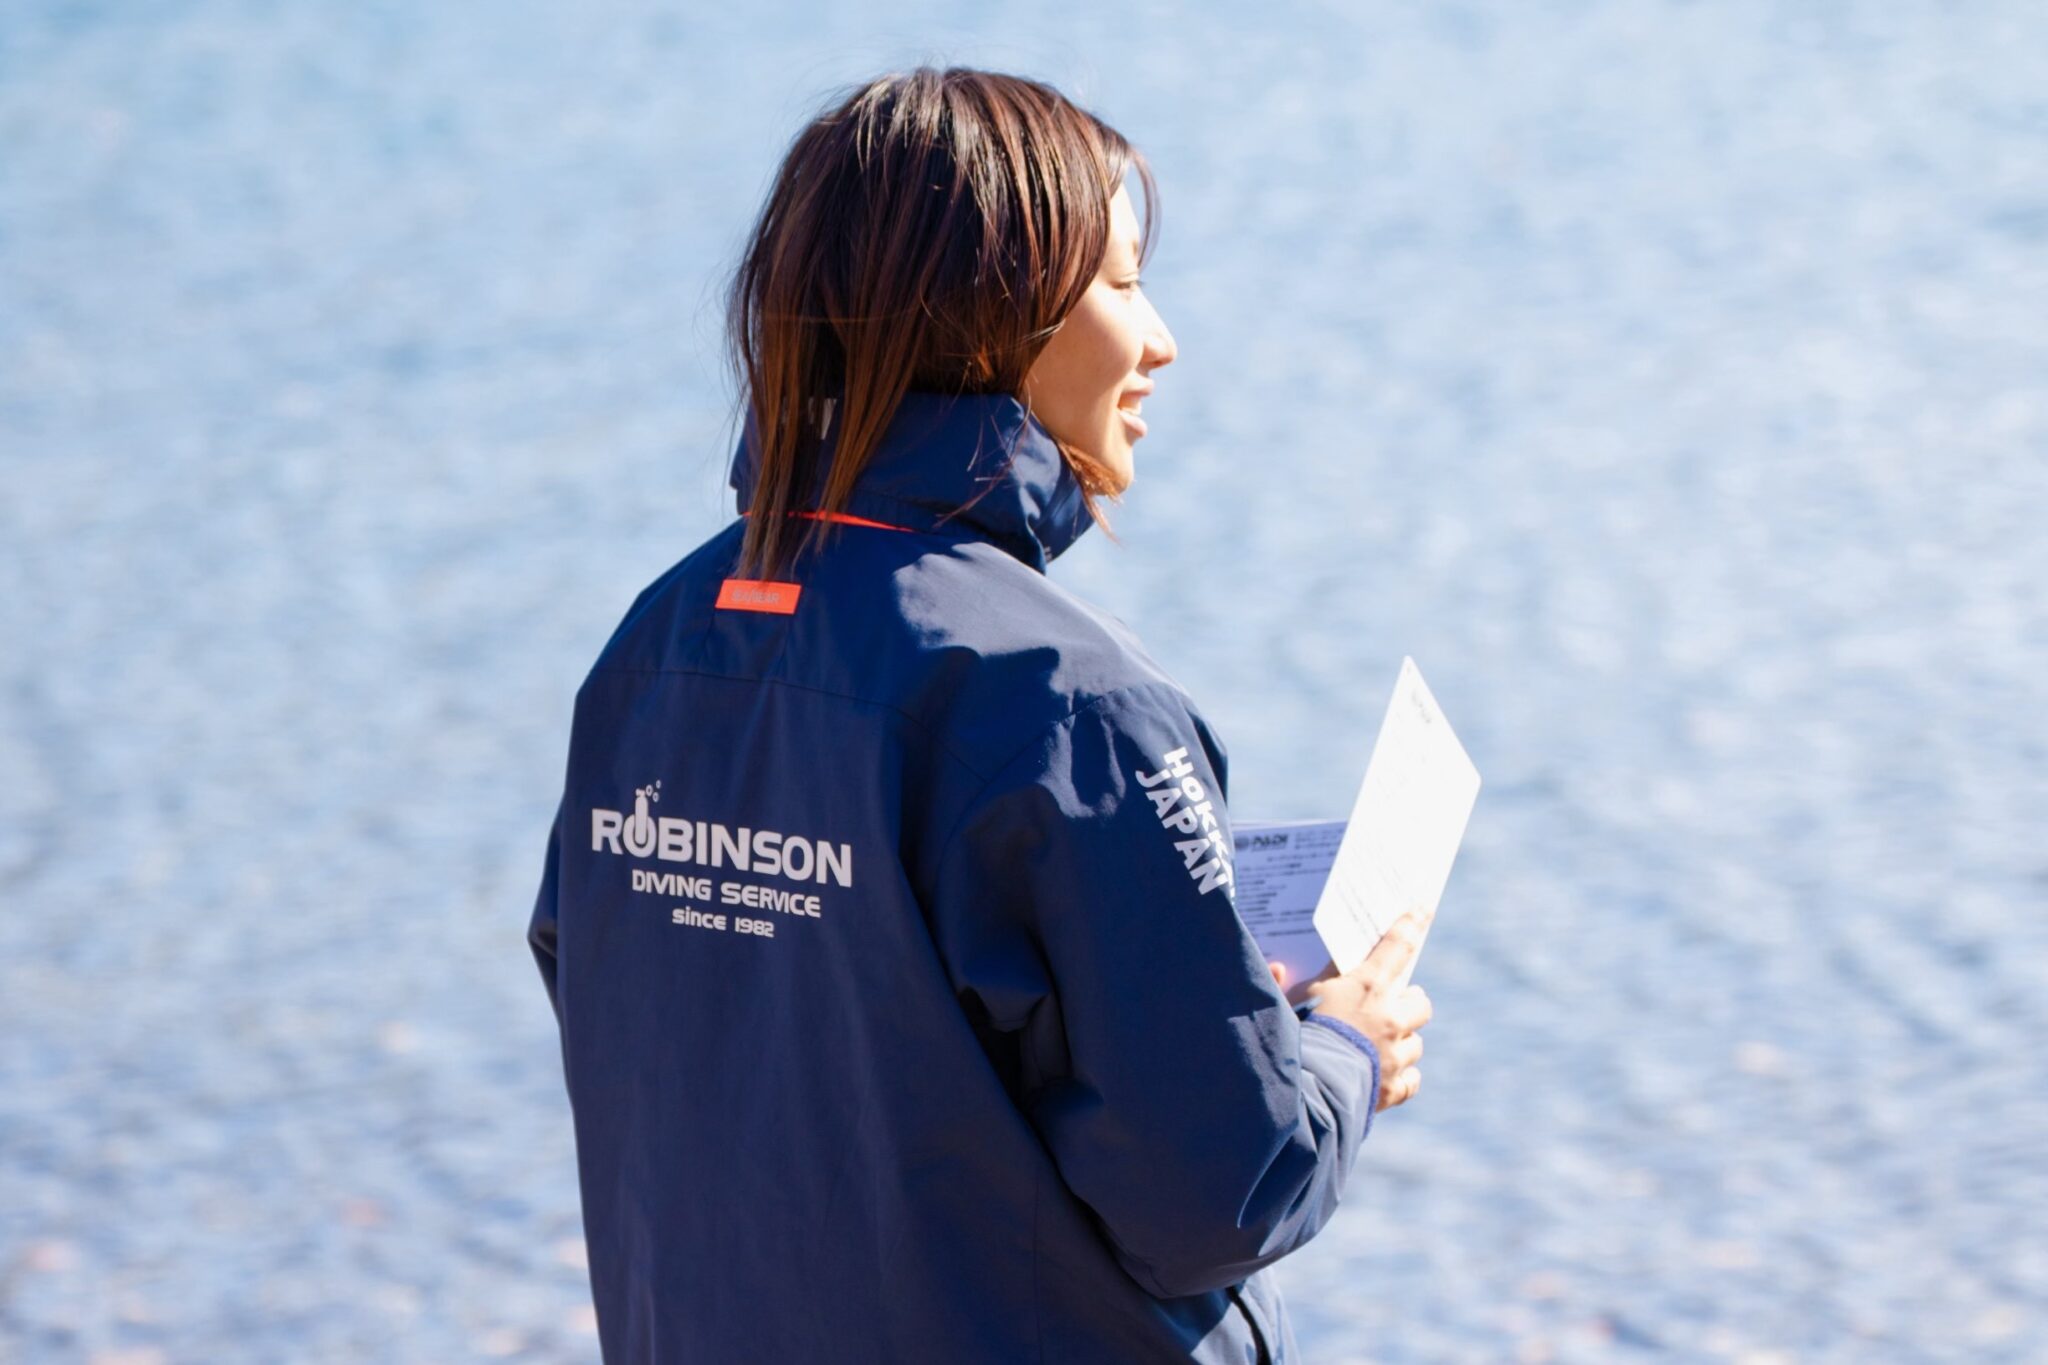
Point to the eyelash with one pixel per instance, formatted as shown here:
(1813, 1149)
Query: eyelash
(1133, 284)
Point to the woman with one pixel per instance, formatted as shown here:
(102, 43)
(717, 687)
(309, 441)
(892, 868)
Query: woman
(888, 915)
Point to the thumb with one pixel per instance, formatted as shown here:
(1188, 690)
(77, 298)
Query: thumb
(1279, 970)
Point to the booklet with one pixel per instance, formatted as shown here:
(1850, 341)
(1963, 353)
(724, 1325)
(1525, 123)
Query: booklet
(1316, 892)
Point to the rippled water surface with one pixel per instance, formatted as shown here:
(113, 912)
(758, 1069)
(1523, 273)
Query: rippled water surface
(1667, 379)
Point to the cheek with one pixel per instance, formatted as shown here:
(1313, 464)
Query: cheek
(1107, 350)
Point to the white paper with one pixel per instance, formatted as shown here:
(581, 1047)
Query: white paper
(1279, 869)
(1405, 826)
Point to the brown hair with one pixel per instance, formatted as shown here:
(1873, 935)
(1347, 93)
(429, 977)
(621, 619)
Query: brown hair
(929, 231)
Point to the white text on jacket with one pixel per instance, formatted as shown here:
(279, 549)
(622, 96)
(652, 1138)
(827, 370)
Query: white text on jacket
(1183, 805)
(710, 844)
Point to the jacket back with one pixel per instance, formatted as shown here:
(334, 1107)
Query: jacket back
(905, 1013)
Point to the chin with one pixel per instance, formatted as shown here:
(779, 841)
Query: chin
(1119, 459)
(1121, 473)
(1114, 458)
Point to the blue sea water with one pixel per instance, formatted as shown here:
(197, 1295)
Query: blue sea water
(1670, 380)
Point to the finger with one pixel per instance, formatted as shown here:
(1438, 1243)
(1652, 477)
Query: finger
(1402, 1053)
(1398, 946)
(1411, 1009)
(1399, 1087)
(1402, 1087)
(1279, 970)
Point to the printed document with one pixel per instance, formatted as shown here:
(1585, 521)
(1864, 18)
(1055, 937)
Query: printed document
(1314, 892)
(1280, 868)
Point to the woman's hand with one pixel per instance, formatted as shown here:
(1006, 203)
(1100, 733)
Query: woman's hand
(1365, 998)
(1298, 991)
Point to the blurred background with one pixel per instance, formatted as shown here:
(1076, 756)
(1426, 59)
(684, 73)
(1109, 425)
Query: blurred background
(1670, 380)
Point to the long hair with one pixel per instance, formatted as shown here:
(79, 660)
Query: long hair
(929, 231)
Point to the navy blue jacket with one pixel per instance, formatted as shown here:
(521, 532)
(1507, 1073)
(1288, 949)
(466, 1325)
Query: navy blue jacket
(905, 1011)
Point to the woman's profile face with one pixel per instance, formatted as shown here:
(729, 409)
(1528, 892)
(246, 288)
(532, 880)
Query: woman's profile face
(1086, 385)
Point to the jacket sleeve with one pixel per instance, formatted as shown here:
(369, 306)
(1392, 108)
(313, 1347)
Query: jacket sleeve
(540, 929)
(1208, 1127)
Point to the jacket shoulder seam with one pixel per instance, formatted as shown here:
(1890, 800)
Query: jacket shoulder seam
(930, 731)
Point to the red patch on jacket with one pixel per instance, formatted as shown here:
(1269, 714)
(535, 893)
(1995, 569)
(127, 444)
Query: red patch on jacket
(754, 594)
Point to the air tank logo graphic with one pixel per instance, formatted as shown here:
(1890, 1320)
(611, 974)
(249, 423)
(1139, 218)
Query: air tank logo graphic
(641, 833)
(638, 832)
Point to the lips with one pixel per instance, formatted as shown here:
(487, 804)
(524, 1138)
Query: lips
(1128, 410)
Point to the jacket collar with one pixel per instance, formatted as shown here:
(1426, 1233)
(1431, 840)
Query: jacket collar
(941, 463)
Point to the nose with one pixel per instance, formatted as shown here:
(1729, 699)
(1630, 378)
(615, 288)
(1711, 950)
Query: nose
(1159, 344)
